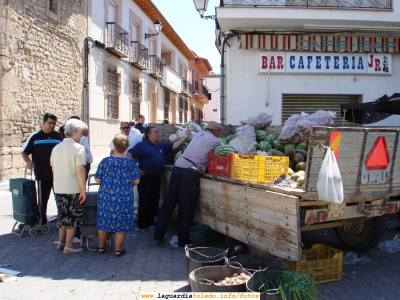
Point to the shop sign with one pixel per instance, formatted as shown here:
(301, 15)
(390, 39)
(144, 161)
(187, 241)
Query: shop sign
(325, 63)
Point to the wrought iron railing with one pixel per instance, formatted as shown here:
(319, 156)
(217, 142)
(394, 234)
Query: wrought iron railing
(139, 54)
(186, 87)
(206, 93)
(136, 99)
(195, 87)
(117, 38)
(372, 4)
(156, 66)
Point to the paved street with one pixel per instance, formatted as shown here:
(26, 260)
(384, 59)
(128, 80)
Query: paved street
(48, 274)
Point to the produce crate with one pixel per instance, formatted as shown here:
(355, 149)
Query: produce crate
(245, 167)
(220, 165)
(257, 168)
(322, 263)
(275, 166)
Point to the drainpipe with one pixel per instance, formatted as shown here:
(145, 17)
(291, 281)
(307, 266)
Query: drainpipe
(86, 83)
(222, 79)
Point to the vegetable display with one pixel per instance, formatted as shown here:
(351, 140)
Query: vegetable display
(223, 150)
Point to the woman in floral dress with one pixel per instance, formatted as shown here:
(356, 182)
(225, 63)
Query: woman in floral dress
(117, 176)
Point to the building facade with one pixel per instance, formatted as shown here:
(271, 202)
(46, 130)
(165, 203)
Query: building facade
(133, 71)
(285, 57)
(212, 110)
(41, 58)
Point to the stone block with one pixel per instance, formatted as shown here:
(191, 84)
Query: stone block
(18, 161)
(5, 162)
(12, 140)
(5, 151)
(16, 150)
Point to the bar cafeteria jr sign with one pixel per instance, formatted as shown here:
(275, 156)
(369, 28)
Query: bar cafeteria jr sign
(326, 63)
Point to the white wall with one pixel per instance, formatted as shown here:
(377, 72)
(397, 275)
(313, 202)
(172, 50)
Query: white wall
(213, 84)
(247, 91)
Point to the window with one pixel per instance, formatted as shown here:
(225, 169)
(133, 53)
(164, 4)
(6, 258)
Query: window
(134, 33)
(181, 108)
(114, 90)
(111, 12)
(53, 9)
(185, 111)
(136, 99)
(167, 102)
(192, 114)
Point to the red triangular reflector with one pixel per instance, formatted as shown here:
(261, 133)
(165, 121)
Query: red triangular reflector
(378, 157)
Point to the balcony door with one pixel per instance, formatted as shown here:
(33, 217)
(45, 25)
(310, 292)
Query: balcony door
(152, 47)
(134, 32)
(111, 12)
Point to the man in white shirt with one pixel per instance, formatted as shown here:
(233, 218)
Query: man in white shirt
(133, 129)
(134, 137)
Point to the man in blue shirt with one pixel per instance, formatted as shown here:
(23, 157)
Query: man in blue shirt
(151, 155)
(141, 125)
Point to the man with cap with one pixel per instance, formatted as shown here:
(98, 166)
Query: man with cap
(184, 185)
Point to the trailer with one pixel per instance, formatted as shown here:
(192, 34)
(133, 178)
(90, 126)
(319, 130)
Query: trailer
(271, 219)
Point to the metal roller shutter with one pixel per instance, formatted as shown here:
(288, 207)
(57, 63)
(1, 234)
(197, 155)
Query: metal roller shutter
(295, 104)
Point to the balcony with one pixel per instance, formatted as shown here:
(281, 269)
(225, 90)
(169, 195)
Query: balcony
(117, 39)
(365, 4)
(309, 15)
(156, 67)
(186, 87)
(171, 80)
(195, 87)
(204, 95)
(139, 55)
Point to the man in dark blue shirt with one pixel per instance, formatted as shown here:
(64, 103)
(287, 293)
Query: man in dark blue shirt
(40, 145)
(151, 156)
(141, 125)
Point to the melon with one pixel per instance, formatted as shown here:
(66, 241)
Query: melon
(294, 177)
(297, 158)
(260, 135)
(290, 152)
(289, 146)
(223, 150)
(301, 166)
(302, 152)
(279, 146)
(292, 165)
(177, 155)
(290, 172)
(300, 181)
(229, 138)
(277, 153)
(303, 146)
(271, 138)
(264, 146)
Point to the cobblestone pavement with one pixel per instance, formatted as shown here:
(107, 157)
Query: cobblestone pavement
(147, 266)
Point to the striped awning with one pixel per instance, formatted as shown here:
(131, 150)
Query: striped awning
(318, 43)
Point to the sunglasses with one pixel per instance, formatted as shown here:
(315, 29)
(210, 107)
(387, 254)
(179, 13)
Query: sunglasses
(125, 127)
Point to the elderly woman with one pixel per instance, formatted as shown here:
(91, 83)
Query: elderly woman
(117, 176)
(68, 160)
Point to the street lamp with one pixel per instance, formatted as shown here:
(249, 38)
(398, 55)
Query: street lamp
(201, 7)
(157, 28)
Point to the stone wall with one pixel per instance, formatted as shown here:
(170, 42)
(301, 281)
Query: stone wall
(43, 71)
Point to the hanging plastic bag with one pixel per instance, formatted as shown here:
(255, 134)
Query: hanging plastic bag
(329, 184)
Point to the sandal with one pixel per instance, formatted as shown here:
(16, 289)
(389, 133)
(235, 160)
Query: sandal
(119, 253)
(101, 250)
(60, 246)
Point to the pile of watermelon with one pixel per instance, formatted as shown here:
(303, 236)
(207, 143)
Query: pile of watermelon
(223, 150)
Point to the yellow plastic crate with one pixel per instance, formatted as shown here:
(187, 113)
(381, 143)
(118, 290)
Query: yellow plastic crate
(322, 263)
(245, 167)
(256, 168)
(274, 166)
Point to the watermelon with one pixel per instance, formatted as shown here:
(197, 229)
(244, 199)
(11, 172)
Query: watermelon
(271, 138)
(223, 150)
(303, 146)
(177, 155)
(278, 146)
(264, 146)
(229, 138)
(223, 141)
(289, 146)
(302, 152)
(260, 135)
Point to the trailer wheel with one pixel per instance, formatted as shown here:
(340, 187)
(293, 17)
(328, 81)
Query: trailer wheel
(363, 236)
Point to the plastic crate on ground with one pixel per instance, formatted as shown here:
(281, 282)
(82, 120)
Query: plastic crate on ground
(322, 263)
(220, 165)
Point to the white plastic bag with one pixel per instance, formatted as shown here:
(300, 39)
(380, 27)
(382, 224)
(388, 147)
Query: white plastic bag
(258, 122)
(247, 131)
(243, 145)
(329, 185)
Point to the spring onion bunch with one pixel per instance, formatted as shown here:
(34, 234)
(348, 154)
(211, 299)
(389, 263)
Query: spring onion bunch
(298, 286)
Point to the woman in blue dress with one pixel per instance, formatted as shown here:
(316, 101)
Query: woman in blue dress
(117, 176)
